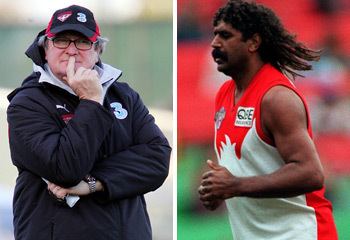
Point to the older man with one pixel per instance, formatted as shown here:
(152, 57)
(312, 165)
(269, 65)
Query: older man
(88, 136)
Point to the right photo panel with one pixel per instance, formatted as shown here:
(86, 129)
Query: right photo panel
(263, 97)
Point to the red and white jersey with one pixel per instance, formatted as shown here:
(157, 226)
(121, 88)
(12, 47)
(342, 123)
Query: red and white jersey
(244, 149)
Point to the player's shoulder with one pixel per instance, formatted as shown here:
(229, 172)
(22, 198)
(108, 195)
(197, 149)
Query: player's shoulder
(282, 104)
(282, 95)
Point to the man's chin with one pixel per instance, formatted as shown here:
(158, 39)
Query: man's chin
(222, 68)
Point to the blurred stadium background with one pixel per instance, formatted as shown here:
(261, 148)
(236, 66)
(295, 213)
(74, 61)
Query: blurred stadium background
(141, 44)
(321, 24)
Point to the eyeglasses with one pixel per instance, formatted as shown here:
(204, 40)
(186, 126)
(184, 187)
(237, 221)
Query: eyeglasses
(63, 43)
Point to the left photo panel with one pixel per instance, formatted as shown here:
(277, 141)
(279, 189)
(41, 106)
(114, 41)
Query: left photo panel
(87, 120)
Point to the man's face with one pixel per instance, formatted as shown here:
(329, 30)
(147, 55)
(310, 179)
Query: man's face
(57, 58)
(230, 52)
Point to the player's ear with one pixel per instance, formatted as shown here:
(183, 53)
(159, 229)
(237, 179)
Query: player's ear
(254, 43)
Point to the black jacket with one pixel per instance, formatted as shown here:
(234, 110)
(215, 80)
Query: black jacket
(56, 136)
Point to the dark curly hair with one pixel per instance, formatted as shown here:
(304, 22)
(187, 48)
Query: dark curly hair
(278, 46)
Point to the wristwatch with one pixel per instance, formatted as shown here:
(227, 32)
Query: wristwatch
(91, 181)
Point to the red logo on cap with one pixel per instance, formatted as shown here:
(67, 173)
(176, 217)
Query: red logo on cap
(63, 16)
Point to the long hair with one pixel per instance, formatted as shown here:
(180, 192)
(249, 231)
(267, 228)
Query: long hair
(278, 46)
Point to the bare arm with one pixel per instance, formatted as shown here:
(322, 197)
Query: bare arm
(284, 120)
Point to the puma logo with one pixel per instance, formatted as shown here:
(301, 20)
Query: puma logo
(62, 107)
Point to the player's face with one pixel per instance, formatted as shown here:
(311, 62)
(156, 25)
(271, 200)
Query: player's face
(57, 58)
(230, 52)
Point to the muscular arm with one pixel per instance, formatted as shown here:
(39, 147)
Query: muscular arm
(284, 119)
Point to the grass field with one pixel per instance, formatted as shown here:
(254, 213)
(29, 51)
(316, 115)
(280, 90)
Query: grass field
(201, 227)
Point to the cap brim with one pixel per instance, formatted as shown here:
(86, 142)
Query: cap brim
(77, 28)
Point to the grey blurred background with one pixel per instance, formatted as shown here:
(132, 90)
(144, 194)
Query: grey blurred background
(141, 44)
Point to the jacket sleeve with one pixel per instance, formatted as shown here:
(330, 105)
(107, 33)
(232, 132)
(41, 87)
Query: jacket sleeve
(140, 168)
(62, 155)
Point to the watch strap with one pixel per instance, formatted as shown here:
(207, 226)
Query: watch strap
(91, 181)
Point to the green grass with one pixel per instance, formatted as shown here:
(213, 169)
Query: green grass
(202, 227)
(342, 221)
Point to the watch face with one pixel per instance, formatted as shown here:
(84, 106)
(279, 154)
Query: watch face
(89, 178)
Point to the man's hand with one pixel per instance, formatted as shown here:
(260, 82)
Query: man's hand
(217, 185)
(80, 189)
(84, 82)
(213, 204)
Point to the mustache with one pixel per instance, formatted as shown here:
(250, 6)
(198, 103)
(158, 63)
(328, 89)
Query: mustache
(216, 53)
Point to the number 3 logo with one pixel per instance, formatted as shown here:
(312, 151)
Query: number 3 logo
(119, 111)
(81, 17)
